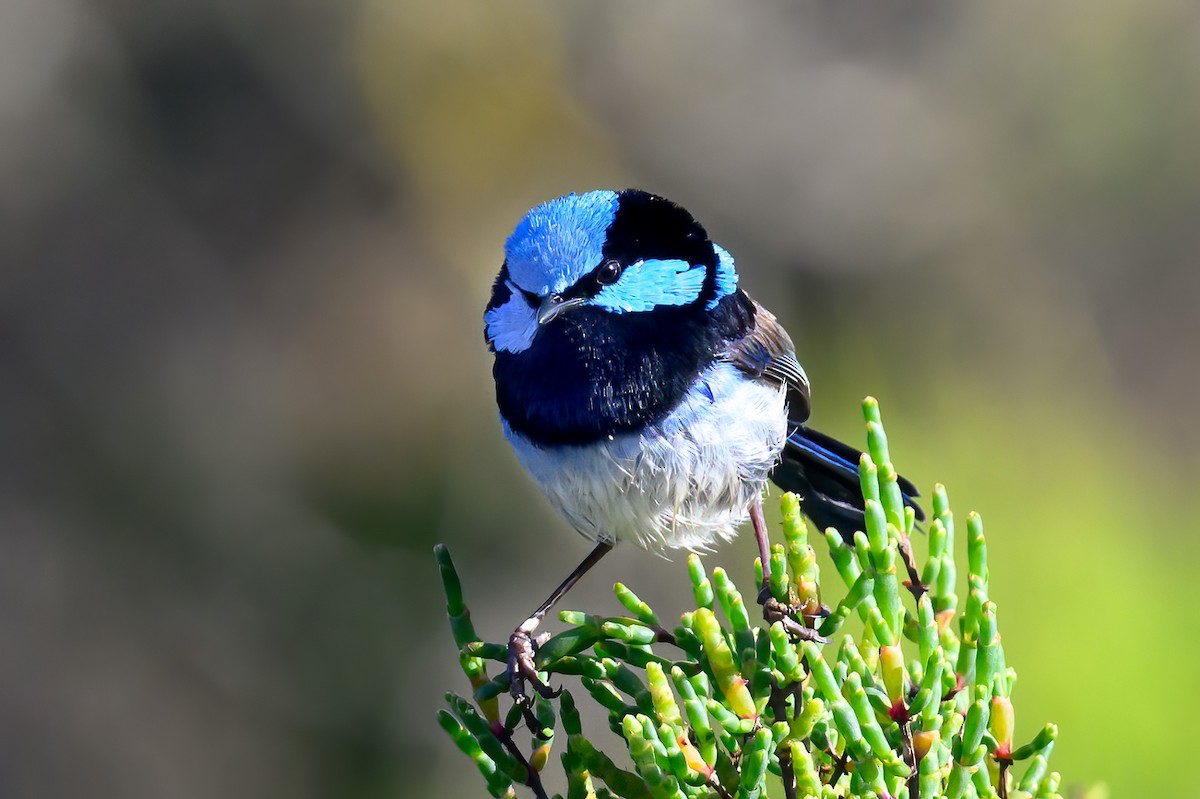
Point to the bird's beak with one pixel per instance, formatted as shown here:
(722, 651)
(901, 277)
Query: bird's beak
(553, 305)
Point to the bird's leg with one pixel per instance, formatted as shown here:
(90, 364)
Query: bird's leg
(520, 644)
(763, 539)
(773, 609)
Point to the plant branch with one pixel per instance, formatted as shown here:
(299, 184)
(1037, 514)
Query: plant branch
(914, 584)
(914, 779)
(534, 780)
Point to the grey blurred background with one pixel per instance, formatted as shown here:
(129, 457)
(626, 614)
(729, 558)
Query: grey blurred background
(244, 251)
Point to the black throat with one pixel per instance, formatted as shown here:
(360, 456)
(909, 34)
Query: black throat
(591, 374)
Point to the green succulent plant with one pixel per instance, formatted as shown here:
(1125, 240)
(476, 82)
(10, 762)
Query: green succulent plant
(915, 703)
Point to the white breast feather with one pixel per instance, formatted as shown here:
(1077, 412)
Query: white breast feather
(687, 482)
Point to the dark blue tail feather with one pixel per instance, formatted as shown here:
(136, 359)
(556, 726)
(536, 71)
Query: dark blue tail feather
(824, 472)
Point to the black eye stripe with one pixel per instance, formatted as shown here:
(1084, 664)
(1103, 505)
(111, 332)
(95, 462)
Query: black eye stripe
(590, 284)
(532, 299)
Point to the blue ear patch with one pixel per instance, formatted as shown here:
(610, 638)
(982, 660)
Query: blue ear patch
(560, 241)
(511, 326)
(727, 279)
(645, 285)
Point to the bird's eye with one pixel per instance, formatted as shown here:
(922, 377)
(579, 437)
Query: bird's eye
(609, 272)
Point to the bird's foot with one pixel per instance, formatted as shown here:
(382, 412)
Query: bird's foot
(791, 617)
(522, 669)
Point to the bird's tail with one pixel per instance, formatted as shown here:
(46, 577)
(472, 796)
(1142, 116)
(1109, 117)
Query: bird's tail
(824, 472)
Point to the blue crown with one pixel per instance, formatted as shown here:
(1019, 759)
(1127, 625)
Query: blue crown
(560, 241)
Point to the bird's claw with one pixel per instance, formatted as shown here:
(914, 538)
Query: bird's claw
(790, 617)
(522, 669)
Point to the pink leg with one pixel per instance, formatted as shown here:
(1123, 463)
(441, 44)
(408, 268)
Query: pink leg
(521, 667)
(760, 536)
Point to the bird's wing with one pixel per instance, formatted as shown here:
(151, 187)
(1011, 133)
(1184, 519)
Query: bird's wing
(766, 352)
(821, 469)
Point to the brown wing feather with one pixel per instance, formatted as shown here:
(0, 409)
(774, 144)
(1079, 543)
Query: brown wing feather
(767, 353)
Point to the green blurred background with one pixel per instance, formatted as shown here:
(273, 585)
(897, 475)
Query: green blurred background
(245, 248)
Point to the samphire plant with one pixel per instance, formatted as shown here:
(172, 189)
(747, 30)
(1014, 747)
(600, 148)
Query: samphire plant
(915, 704)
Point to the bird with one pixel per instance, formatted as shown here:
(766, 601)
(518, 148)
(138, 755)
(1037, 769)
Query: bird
(644, 391)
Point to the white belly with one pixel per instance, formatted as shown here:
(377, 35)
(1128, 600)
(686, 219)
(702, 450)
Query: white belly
(687, 482)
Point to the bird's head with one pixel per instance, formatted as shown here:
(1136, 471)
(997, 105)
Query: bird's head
(607, 308)
(602, 255)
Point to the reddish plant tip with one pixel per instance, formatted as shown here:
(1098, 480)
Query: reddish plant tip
(898, 712)
(692, 756)
(960, 682)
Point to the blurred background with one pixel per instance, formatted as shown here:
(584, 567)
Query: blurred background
(244, 253)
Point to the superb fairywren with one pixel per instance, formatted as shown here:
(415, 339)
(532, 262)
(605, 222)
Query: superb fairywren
(647, 395)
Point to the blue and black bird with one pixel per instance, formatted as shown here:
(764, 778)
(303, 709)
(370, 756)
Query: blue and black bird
(645, 392)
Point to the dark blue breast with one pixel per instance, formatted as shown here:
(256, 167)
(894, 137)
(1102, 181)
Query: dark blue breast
(591, 373)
